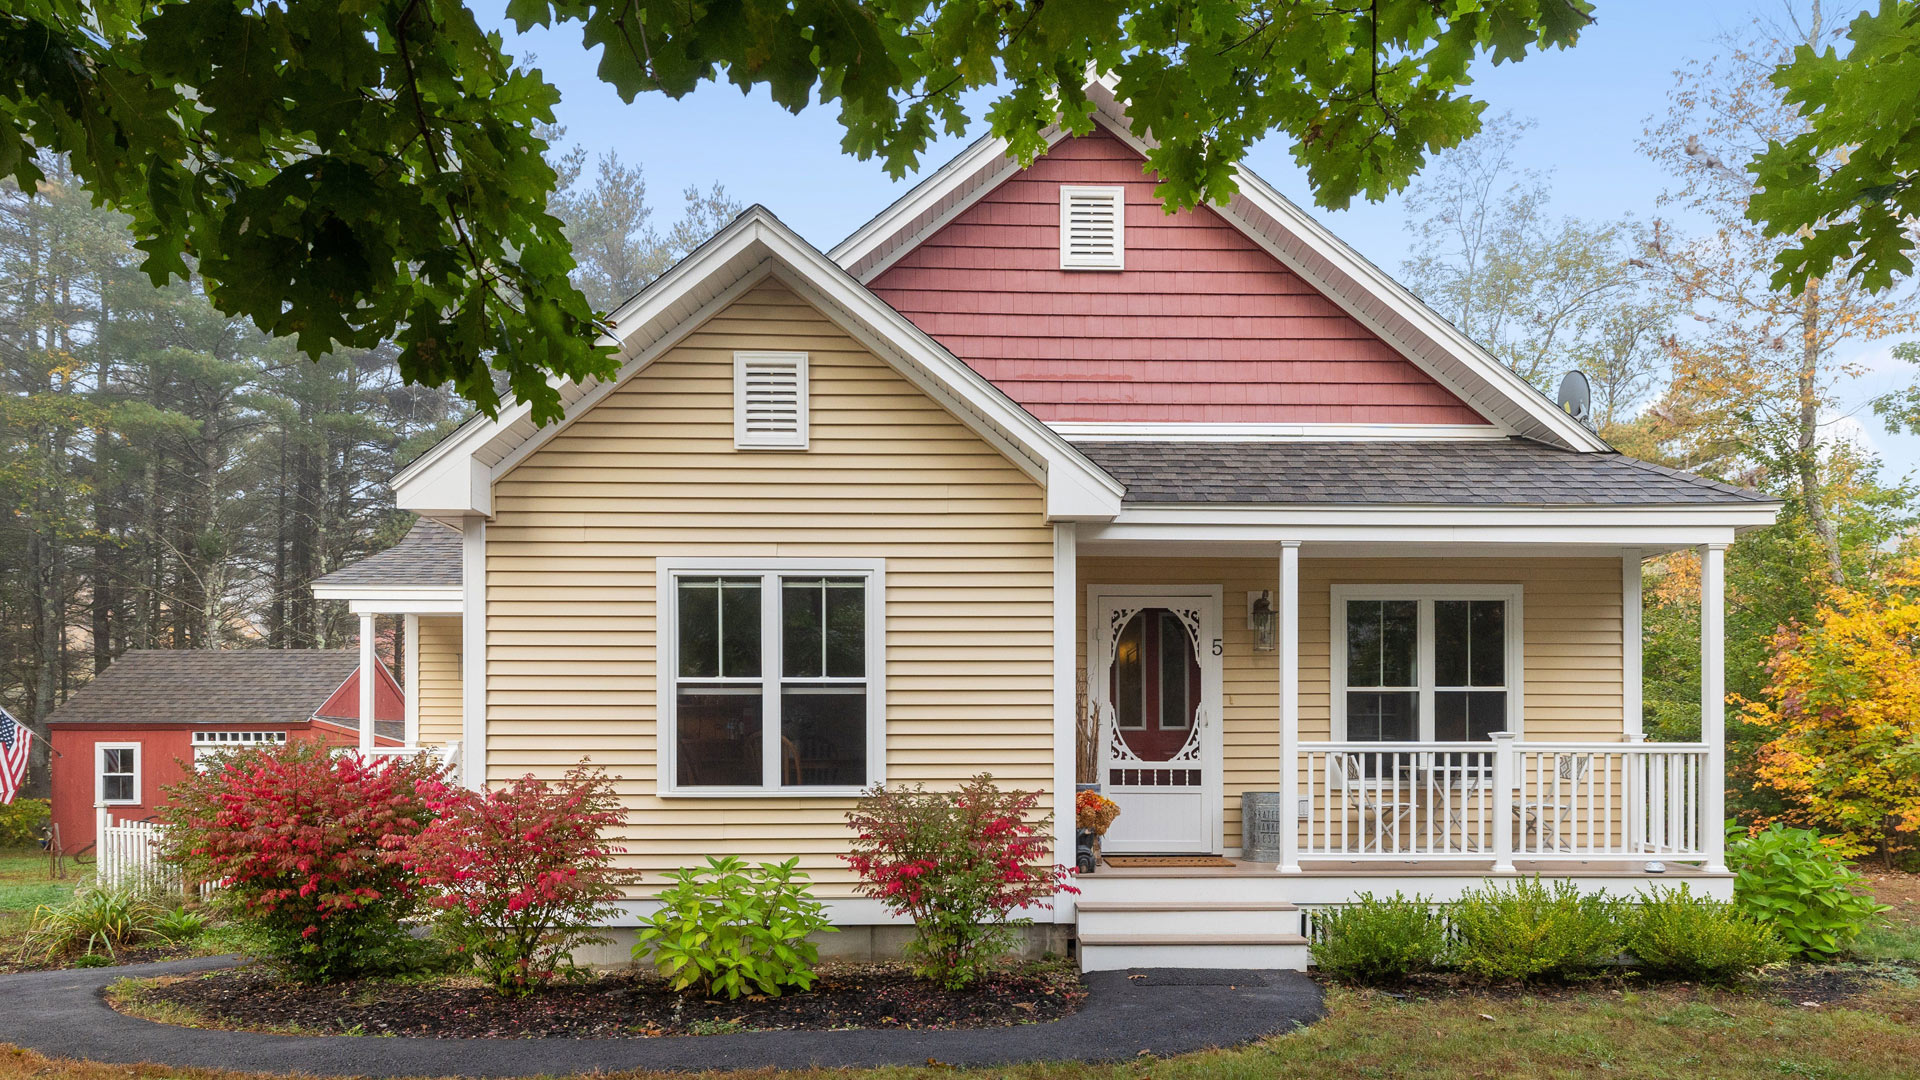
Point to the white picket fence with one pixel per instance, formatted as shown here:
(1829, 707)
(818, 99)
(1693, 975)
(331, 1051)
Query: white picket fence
(129, 856)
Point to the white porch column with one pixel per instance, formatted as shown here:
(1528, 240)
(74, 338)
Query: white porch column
(1066, 705)
(1505, 778)
(412, 654)
(367, 662)
(1713, 697)
(1289, 638)
(473, 652)
(1632, 714)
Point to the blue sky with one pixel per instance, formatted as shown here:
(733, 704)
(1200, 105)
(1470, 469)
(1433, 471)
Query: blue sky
(1589, 104)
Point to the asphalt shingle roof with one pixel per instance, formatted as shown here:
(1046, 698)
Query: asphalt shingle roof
(212, 687)
(429, 555)
(1516, 472)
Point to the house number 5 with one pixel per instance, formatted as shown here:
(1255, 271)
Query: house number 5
(1216, 647)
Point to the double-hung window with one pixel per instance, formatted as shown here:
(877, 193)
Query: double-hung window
(772, 676)
(1433, 663)
(116, 773)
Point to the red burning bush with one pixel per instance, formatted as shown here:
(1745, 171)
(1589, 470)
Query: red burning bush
(300, 839)
(961, 864)
(521, 874)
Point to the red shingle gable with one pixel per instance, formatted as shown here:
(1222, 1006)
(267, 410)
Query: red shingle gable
(1202, 325)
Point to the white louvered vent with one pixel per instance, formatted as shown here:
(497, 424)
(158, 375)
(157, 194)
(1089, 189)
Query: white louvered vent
(770, 400)
(1092, 228)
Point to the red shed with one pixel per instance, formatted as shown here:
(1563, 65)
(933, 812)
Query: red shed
(132, 731)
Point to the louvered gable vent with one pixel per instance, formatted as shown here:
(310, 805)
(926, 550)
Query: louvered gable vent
(770, 400)
(1092, 228)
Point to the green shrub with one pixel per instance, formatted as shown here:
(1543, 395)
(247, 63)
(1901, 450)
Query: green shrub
(727, 928)
(1530, 930)
(1380, 941)
(22, 821)
(179, 925)
(94, 918)
(1790, 880)
(1677, 934)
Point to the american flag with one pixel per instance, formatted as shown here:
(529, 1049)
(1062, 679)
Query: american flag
(14, 741)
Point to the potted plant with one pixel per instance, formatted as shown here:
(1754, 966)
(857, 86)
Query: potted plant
(1093, 815)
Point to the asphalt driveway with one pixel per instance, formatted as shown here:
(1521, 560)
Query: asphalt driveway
(1159, 1011)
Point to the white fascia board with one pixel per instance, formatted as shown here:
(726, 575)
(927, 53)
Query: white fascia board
(386, 592)
(757, 245)
(1077, 489)
(877, 244)
(447, 482)
(1630, 527)
(392, 605)
(1123, 431)
(1263, 198)
(1728, 516)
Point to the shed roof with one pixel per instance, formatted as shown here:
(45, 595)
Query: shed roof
(427, 557)
(210, 687)
(1515, 472)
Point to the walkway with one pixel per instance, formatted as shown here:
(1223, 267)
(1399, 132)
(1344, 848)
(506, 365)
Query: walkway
(1163, 1012)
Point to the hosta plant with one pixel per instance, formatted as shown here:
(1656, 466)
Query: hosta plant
(1792, 881)
(730, 929)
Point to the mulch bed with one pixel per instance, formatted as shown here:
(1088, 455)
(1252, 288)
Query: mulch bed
(1810, 985)
(626, 1005)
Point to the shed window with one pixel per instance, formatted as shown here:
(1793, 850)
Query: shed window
(775, 683)
(1092, 228)
(770, 400)
(117, 773)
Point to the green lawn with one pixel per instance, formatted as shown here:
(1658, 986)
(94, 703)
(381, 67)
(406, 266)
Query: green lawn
(1664, 1034)
(24, 885)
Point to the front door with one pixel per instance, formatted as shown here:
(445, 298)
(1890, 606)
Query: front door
(1154, 677)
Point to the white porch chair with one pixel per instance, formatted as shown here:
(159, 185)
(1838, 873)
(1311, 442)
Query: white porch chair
(1548, 812)
(1379, 798)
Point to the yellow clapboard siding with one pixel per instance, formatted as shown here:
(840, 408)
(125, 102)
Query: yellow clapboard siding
(651, 471)
(440, 690)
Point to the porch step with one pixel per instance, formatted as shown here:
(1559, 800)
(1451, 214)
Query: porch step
(1179, 918)
(1112, 952)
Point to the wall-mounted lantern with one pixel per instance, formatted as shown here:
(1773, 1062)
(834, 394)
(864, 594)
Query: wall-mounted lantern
(1260, 620)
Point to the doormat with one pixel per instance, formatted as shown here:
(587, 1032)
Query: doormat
(1119, 861)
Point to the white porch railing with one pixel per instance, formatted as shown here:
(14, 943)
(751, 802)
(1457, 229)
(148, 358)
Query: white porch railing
(448, 755)
(1504, 799)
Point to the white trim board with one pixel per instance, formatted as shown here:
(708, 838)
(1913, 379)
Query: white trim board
(1514, 647)
(666, 661)
(457, 476)
(1104, 431)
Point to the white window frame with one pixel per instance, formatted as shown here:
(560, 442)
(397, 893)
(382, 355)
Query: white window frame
(1425, 595)
(747, 440)
(1115, 193)
(100, 773)
(208, 744)
(668, 571)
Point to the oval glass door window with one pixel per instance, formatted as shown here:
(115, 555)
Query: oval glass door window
(1154, 684)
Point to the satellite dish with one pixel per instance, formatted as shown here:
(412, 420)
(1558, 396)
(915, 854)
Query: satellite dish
(1576, 398)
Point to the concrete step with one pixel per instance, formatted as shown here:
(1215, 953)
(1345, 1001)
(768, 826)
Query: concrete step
(1181, 918)
(1112, 952)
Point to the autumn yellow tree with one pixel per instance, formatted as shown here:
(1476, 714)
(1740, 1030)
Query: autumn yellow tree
(1843, 706)
(1756, 377)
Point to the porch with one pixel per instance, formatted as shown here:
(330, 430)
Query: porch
(1334, 679)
